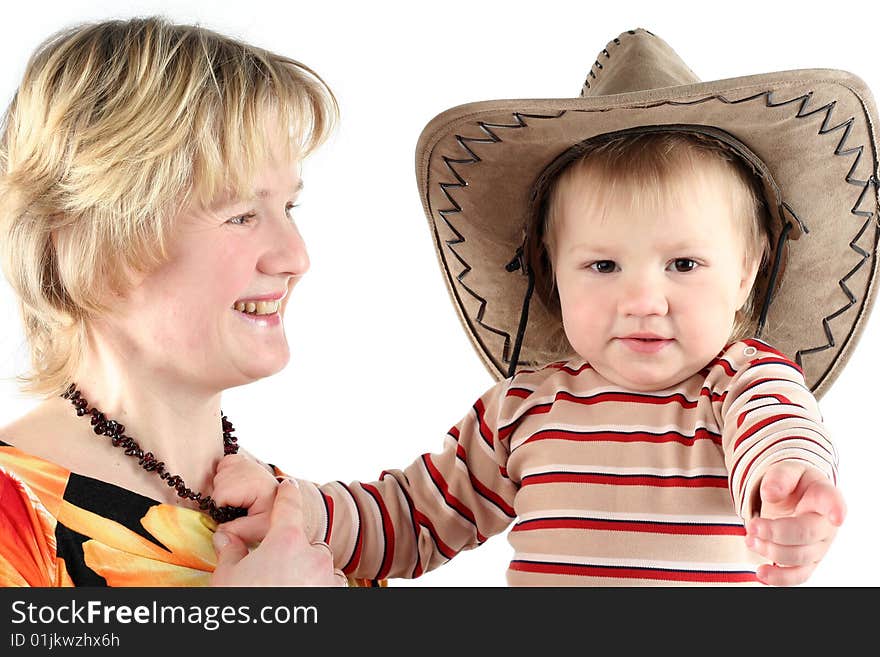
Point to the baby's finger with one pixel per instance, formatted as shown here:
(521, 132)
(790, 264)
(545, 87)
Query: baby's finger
(792, 530)
(784, 576)
(789, 555)
(824, 498)
(229, 461)
(780, 480)
(233, 491)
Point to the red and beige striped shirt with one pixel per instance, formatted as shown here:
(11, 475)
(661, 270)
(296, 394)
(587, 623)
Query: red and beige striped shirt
(605, 486)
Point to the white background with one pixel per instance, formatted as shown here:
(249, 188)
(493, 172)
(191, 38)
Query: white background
(380, 366)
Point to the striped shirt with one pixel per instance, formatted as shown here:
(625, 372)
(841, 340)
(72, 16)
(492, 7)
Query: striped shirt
(605, 486)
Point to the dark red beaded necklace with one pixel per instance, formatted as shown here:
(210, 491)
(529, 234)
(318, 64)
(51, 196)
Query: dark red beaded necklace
(103, 426)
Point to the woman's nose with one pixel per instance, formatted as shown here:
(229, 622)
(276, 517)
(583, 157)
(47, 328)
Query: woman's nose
(286, 251)
(643, 295)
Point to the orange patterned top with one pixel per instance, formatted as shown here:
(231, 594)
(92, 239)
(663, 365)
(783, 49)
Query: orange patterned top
(59, 528)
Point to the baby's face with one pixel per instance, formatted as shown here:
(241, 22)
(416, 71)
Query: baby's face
(649, 292)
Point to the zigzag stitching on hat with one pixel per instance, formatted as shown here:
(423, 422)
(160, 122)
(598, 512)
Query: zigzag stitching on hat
(473, 158)
(847, 125)
(852, 299)
(840, 150)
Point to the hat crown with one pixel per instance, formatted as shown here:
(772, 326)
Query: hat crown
(637, 60)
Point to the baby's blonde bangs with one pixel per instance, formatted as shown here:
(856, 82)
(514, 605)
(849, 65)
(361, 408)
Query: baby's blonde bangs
(115, 128)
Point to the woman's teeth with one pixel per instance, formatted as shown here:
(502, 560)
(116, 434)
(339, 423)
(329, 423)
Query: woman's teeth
(257, 307)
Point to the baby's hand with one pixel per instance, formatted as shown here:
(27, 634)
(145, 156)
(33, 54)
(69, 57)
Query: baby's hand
(243, 481)
(800, 513)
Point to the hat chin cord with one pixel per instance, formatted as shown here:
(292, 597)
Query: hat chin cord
(519, 262)
(774, 273)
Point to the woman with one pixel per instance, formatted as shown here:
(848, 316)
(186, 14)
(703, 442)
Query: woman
(148, 175)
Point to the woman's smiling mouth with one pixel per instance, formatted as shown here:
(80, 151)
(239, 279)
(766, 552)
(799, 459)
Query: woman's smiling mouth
(257, 307)
(262, 310)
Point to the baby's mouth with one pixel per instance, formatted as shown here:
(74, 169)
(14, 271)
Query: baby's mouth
(645, 337)
(257, 307)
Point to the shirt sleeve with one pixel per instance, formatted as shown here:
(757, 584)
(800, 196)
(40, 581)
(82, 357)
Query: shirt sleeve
(27, 538)
(769, 415)
(415, 519)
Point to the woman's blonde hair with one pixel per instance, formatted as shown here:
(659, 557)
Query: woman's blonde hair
(647, 168)
(115, 128)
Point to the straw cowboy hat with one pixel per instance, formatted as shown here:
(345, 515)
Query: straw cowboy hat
(808, 134)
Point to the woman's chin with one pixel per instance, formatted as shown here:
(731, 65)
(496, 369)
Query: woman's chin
(255, 369)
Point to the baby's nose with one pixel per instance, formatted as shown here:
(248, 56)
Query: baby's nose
(643, 296)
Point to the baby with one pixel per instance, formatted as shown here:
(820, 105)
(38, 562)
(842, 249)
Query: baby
(669, 449)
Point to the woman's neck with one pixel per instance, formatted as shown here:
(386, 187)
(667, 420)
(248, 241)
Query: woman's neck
(172, 418)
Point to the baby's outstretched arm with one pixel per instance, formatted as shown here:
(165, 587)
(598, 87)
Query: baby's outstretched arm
(800, 511)
(243, 481)
(782, 463)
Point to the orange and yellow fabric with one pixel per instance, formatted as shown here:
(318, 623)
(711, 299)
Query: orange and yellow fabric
(59, 528)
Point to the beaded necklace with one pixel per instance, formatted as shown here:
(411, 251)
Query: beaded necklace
(101, 425)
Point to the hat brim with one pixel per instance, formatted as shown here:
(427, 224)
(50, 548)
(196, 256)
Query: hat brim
(814, 130)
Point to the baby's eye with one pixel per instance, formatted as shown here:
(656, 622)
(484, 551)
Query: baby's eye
(683, 265)
(604, 266)
(242, 219)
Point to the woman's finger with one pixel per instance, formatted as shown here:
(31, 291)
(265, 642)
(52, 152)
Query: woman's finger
(286, 520)
(230, 550)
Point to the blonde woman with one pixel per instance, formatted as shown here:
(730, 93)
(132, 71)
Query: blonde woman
(148, 175)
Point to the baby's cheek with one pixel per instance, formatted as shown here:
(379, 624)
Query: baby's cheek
(585, 337)
(709, 329)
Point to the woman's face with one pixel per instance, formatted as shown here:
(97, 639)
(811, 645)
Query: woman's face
(211, 315)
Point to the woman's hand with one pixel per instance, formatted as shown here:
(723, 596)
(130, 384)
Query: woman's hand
(284, 558)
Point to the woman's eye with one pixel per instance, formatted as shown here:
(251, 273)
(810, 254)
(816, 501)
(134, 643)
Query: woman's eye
(604, 266)
(683, 265)
(288, 210)
(242, 219)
